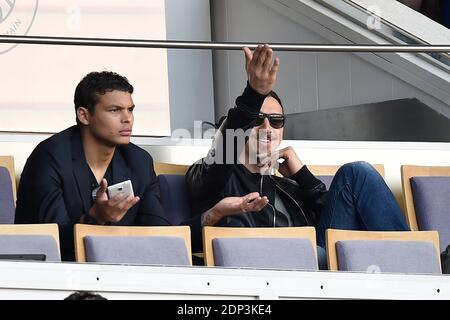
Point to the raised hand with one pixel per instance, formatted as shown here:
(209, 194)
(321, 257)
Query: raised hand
(261, 70)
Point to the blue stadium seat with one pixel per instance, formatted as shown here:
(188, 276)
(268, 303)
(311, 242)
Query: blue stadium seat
(276, 253)
(25, 240)
(7, 209)
(280, 248)
(23, 245)
(432, 204)
(165, 245)
(384, 251)
(174, 197)
(159, 250)
(418, 257)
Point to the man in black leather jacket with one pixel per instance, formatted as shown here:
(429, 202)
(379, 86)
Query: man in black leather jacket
(239, 172)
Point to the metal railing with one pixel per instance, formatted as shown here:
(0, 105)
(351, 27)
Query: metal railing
(168, 44)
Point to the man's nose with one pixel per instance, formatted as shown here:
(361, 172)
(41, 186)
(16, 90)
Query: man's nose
(265, 124)
(127, 117)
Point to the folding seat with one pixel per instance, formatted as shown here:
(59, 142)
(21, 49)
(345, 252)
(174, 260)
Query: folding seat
(174, 198)
(30, 242)
(133, 245)
(384, 251)
(426, 194)
(7, 190)
(168, 168)
(279, 248)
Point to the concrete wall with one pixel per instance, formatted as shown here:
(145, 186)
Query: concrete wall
(306, 81)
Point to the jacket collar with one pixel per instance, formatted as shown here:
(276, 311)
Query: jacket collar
(81, 170)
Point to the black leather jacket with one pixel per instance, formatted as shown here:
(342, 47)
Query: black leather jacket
(208, 181)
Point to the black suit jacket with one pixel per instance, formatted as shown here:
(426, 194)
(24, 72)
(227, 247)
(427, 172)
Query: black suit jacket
(55, 186)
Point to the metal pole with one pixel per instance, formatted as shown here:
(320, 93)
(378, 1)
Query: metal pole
(167, 44)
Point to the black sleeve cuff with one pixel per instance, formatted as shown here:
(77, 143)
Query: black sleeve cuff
(250, 100)
(305, 179)
(88, 219)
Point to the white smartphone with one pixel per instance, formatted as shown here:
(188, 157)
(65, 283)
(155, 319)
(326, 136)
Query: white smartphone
(124, 188)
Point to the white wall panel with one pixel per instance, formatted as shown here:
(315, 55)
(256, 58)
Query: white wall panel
(368, 83)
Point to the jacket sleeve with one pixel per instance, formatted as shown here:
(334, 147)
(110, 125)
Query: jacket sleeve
(207, 177)
(40, 198)
(312, 190)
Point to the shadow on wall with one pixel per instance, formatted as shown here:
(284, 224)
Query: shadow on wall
(394, 120)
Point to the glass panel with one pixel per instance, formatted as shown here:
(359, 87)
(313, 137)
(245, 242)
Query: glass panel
(371, 18)
(40, 81)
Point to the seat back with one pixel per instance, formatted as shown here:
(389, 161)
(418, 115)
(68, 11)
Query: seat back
(30, 239)
(383, 251)
(168, 168)
(174, 197)
(7, 208)
(134, 245)
(283, 248)
(8, 163)
(429, 210)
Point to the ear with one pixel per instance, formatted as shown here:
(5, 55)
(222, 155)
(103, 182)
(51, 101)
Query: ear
(83, 115)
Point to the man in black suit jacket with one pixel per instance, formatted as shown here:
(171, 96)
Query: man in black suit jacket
(65, 179)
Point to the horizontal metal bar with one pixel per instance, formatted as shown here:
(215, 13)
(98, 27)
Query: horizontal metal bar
(132, 43)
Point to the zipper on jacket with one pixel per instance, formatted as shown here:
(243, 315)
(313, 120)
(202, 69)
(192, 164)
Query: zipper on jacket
(296, 203)
(272, 207)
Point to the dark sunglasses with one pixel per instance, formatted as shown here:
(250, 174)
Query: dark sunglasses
(276, 120)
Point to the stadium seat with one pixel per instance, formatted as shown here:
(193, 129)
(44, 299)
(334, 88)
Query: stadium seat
(168, 168)
(384, 251)
(133, 245)
(7, 208)
(7, 189)
(8, 163)
(28, 241)
(426, 192)
(174, 197)
(280, 248)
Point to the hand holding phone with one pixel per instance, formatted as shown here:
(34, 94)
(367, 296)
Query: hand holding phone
(106, 208)
(124, 188)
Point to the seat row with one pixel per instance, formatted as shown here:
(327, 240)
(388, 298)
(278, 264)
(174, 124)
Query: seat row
(425, 189)
(292, 248)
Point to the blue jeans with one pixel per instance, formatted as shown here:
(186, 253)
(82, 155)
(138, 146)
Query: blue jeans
(359, 199)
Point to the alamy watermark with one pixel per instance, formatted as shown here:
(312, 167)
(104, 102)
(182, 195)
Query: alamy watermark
(16, 19)
(373, 22)
(229, 146)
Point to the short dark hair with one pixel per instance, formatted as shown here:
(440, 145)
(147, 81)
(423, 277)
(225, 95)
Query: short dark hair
(84, 295)
(95, 84)
(274, 95)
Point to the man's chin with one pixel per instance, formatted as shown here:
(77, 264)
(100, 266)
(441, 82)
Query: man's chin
(122, 141)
